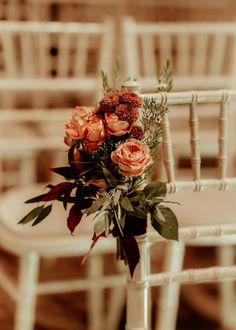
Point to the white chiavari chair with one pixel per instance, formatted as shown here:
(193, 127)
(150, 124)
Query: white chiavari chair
(202, 54)
(40, 58)
(206, 216)
(51, 239)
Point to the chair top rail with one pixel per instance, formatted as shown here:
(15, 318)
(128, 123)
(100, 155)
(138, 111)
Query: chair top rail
(181, 27)
(193, 96)
(52, 27)
(39, 115)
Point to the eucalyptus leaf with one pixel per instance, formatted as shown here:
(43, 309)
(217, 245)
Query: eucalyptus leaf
(97, 204)
(109, 177)
(31, 215)
(43, 214)
(125, 203)
(155, 189)
(138, 213)
(168, 228)
(117, 197)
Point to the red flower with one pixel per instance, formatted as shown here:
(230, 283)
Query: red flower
(137, 132)
(108, 103)
(130, 98)
(127, 113)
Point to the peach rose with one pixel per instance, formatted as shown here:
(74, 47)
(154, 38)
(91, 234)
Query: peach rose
(132, 157)
(115, 126)
(75, 129)
(94, 134)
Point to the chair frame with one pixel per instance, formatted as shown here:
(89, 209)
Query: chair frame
(222, 235)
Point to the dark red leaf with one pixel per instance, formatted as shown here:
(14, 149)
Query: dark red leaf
(57, 191)
(131, 251)
(66, 171)
(74, 217)
(71, 155)
(66, 198)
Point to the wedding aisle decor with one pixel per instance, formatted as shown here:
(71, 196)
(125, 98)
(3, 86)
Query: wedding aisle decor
(111, 150)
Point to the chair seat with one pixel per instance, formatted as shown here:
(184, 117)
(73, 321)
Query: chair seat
(205, 208)
(51, 233)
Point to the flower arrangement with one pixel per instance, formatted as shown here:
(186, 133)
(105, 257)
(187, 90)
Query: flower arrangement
(111, 152)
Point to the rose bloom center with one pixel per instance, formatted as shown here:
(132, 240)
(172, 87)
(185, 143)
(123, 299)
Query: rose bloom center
(133, 152)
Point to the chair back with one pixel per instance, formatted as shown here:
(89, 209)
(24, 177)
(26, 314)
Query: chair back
(54, 56)
(191, 108)
(202, 54)
(30, 143)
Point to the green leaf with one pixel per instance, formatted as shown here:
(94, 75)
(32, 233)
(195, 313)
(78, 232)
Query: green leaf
(138, 213)
(155, 189)
(168, 228)
(102, 225)
(43, 214)
(125, 203)
(31, 215)
(97, 204)
(35, 199)
(109, 177)
(116, 197)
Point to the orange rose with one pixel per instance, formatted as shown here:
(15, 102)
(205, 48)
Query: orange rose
(115, 126)
(75, 129)
(132, 157)
(95, 133)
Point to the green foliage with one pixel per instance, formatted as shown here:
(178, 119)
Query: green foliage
(165, 78)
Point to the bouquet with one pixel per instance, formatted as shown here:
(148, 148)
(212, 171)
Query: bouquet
(111, 151)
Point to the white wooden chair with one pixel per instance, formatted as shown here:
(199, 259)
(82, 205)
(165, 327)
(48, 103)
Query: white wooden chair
(40, 58)
(202, 57)
(202, 54)
(50, 239)
(206, 217)
(23, 135)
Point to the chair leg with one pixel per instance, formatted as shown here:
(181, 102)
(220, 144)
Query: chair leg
(26, 302)
(137, 316)
(95, 295)
(169, 294)
(226, 257)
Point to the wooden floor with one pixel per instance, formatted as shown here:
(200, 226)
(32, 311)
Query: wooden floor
(68, 311)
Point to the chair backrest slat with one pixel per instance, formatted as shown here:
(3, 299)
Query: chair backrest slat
(223, 137)
(27, 55)
(149, 61)
(218, 54)
(9, 54)
(200, 57)
(194, 139)
(165, 50)
(82, 43)
(183, 60)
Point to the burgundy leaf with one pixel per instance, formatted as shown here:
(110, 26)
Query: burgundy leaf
(131, 251)
(66, 171)
(74, 217)
(57, 191)
(95, 238)
(71, 156)
(66, 198)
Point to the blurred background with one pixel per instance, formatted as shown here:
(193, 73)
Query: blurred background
(51, 56)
